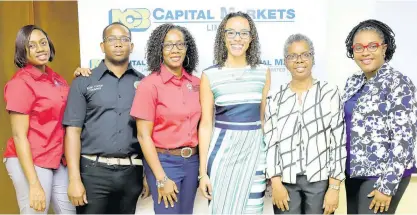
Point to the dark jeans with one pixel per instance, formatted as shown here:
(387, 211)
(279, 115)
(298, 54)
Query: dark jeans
(357, 190)
(111, 189)
(184, 172)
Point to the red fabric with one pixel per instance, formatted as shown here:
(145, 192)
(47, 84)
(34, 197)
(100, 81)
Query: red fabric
(43, 97)
(173, 105)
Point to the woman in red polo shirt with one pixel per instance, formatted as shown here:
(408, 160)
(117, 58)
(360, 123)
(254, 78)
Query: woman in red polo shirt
(35, 99)
(167, 109)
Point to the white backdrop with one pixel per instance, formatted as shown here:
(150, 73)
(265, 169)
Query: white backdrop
(326, 22)
(275, 22)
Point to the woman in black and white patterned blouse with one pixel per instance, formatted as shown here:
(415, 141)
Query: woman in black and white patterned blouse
(305, 134)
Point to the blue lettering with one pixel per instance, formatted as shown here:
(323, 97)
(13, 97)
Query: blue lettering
(281, 13)
(252, 13)
(169, 15)
(272, 14)
(266, 62)
(201, 14)
(209, 15)
(224, 11)
(279, 62)
(193, 14)
(155, 15)
(261, 14)
(290, 14)
(137, 62)
(178, 14)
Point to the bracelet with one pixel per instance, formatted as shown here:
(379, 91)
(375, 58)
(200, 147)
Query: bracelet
(334, 187)
(161, 183)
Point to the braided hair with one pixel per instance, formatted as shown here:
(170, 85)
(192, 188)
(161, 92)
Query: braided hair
(382, 29)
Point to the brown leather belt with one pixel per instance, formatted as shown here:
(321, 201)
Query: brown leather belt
(184, 152)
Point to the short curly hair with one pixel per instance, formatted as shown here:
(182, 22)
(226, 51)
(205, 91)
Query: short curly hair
(154, 48)
(382, 29)
(253, 54)
(297, 38)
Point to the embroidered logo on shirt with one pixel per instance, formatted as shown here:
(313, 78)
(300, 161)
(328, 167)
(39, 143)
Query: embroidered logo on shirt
(189, 86)
(136, 84)
(193, 88)
(57, 83)
(94, 87)
(196, 88)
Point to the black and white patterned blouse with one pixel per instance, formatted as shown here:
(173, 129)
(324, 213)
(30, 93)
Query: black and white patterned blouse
(307, 139)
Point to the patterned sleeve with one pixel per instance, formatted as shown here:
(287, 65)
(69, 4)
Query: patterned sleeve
(401, 122)
(337, 139)
(273, 165)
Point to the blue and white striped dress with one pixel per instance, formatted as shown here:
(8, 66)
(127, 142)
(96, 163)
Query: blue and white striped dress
(237, 153)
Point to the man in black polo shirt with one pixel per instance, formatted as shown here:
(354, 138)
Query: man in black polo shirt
(102, 151)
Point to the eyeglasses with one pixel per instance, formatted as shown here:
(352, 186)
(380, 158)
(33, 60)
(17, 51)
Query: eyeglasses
(294, 57)
(170, 46)
(112, 40)
(231, 34)
(372, 47)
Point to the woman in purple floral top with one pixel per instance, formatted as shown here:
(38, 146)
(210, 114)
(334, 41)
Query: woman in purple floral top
(380, 114)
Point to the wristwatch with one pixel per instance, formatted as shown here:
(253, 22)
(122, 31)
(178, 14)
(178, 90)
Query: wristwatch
(334, 187)
(161, 183)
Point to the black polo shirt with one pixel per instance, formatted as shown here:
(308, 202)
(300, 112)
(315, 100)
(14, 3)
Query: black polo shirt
(100, 104)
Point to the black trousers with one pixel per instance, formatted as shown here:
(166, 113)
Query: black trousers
(111, 189)
(306, 197)
(357, 191)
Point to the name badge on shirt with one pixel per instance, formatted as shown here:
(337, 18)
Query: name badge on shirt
(94, 87)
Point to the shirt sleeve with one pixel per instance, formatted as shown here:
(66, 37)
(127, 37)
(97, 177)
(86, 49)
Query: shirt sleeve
(19, 96)
(76, 108)
(401, 105)
(144, 103)
(273, 157)
(337, 162)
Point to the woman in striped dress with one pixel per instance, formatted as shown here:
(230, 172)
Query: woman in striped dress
(232, 152)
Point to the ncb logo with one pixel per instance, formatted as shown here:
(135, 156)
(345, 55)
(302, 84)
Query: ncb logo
(137, 19)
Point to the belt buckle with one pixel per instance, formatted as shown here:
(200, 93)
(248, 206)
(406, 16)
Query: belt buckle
(108, 161)
(184, 149)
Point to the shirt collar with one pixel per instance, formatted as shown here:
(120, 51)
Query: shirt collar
(167, 75)
(102, 69)
(38, 74)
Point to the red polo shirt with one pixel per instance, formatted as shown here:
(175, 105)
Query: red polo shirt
(42, 96)
(172, 104)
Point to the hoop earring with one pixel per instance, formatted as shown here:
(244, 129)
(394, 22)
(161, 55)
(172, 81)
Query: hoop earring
(188, 61)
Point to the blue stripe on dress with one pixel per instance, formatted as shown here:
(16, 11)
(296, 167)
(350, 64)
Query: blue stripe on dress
(238, 113)
(215, 150)
(257, 195)
(236, 127)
